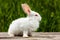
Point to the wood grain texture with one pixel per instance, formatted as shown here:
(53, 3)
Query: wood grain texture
(35, 36)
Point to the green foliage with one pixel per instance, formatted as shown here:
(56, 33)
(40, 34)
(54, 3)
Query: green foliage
(48, 9)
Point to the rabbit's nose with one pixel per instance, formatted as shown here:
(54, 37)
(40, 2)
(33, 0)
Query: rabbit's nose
(36, 15)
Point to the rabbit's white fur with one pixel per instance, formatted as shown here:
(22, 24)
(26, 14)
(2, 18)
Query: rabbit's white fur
(25, 25)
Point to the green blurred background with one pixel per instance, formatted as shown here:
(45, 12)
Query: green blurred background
(48, 9)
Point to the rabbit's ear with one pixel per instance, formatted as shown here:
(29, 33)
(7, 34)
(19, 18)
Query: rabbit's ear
(26, 8)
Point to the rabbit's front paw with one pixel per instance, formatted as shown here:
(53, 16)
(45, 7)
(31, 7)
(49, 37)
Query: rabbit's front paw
(25, 35)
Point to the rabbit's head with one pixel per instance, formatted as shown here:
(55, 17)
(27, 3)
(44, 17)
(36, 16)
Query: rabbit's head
(32, 14)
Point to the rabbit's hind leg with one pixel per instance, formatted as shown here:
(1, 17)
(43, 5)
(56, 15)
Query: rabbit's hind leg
(11, 35)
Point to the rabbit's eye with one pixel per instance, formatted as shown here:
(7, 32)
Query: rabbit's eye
(36, 15)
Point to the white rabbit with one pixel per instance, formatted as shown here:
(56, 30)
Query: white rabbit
(25, 25)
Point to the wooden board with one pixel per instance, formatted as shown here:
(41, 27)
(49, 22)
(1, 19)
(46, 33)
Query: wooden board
(35, 36)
